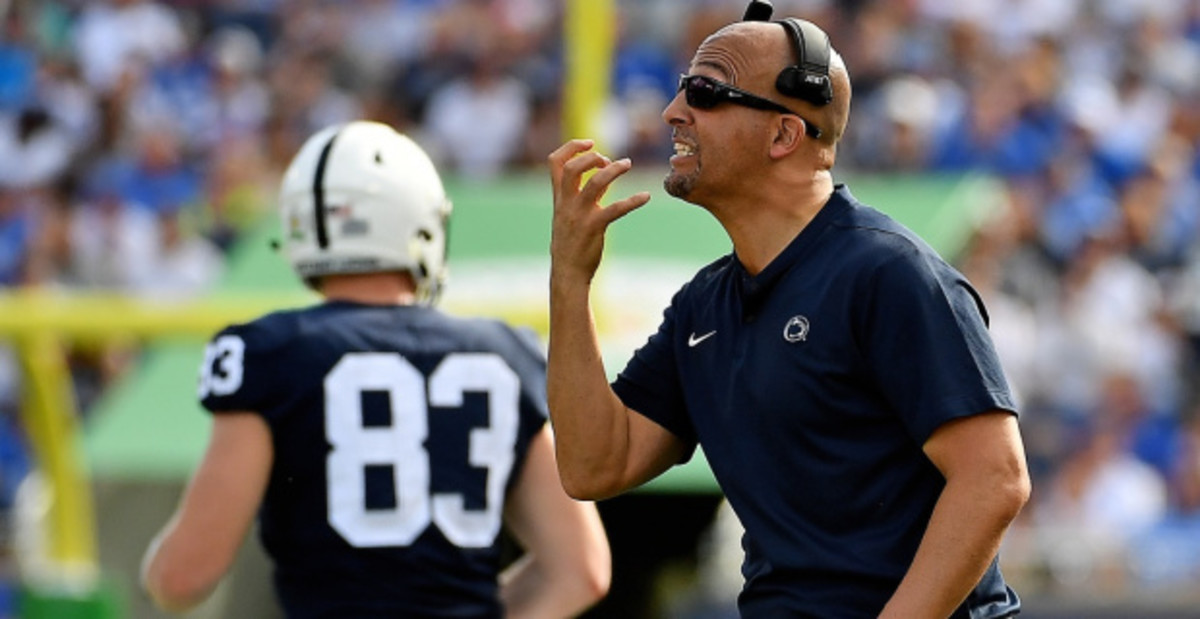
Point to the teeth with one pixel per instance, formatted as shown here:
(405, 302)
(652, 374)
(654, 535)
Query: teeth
(683, 150)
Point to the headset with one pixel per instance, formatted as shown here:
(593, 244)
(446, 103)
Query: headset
(808, 79)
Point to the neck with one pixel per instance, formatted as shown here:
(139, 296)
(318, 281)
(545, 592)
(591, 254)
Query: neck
(767, 221)
(369, 288)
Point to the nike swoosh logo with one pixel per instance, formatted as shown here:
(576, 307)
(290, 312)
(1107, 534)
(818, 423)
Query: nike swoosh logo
(693, 340)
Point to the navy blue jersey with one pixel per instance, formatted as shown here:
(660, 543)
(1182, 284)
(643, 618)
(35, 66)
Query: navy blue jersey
(397, 432)
(811, 388)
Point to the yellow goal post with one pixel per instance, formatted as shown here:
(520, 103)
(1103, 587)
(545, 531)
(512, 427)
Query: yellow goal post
(58, 561)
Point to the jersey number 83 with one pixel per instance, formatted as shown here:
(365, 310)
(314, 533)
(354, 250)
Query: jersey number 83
(400, 445)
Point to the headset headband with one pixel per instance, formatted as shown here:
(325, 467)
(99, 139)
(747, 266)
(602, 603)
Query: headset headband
(808, 79)
(812, 42)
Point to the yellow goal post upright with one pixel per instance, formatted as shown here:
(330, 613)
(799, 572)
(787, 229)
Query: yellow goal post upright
(589, 41)
(56, 548)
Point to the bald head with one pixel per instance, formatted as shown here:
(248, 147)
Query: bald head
(753, 54)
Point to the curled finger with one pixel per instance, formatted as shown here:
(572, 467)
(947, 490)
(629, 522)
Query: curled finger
(598, 184)
(574, 169)
(563, 154)
(623, 207)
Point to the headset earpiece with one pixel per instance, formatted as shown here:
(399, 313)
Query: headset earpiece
(808, 79)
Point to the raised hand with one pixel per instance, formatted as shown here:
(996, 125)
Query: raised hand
(577, 237)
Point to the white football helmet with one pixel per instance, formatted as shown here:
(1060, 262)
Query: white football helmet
(362, 198)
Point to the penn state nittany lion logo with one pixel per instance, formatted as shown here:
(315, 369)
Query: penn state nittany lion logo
(796, 329)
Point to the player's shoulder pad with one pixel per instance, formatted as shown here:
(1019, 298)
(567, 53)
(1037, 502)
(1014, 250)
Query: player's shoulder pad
(266, 333)
(497, 334)
(528, 337)
(241, 361)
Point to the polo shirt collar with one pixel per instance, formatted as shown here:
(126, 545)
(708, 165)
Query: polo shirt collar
(754, 289)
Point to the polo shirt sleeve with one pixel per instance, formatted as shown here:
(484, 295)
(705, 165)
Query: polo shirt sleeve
(923, 333)
(650, 383)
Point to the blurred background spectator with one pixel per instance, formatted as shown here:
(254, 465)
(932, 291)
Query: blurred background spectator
(139, 139)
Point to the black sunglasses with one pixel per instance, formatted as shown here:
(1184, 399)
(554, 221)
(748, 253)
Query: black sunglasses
(703, 92)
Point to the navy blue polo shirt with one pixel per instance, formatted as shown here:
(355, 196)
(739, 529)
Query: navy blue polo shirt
(811, 387)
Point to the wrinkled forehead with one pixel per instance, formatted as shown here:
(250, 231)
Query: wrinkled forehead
(742, 52)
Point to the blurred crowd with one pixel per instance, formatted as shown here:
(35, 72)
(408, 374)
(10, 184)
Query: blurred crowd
(140, 138)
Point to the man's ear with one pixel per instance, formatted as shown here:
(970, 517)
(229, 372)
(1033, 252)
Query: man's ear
(789, 134)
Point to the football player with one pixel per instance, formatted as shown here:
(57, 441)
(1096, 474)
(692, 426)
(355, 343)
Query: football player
(383, 444)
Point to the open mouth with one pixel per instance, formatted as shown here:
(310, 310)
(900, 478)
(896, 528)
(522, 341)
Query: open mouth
(684, 150)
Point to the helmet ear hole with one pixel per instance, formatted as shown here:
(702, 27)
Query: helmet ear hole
(378, 158)
(424, 234)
